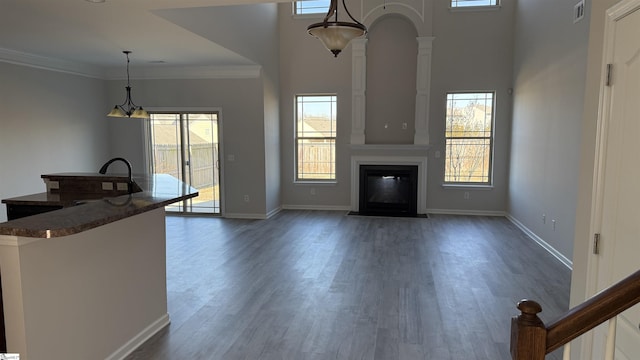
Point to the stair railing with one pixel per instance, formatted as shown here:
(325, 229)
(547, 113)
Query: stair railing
(531, 339)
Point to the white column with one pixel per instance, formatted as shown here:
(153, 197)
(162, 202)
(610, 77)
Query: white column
(423, 90)
(358, 89)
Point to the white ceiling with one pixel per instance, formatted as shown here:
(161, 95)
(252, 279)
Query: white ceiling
(95, 34)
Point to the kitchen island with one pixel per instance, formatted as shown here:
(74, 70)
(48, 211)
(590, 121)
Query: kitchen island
(87, 281)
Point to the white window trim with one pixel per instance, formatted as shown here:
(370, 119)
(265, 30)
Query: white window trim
(476, 185)
(296, 180)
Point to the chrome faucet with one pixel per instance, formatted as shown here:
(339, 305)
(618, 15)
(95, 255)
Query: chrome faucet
(103, 170)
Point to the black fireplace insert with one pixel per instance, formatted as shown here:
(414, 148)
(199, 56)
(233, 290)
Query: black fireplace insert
(388, 190)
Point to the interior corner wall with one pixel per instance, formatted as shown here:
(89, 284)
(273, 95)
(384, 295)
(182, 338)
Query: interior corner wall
(242, 105)
(272, 146)
(51, 122)
(550, 62)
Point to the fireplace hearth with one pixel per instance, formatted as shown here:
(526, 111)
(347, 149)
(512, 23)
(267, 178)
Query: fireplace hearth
(388, 190)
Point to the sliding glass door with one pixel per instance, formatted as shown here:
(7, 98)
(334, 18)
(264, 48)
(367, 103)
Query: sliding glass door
(186, 146)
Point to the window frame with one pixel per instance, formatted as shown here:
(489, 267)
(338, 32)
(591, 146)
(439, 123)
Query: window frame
(453, 7)
(296, 175)
(490, 138)
(321, 11)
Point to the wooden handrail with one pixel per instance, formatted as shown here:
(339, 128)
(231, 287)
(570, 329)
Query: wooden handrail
(532, 340)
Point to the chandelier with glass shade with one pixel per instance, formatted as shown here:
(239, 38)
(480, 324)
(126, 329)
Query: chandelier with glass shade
(128, 108)
(335, 35)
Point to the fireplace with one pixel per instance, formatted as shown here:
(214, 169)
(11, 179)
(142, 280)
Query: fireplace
(390, 190)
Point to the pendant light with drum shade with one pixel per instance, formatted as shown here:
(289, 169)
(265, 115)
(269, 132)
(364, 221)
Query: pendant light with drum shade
(335, 35)
(128, 108)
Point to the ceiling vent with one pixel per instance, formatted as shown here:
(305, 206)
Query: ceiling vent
(578, 11)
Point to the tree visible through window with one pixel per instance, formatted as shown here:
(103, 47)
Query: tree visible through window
(315, 137)
(469, 138)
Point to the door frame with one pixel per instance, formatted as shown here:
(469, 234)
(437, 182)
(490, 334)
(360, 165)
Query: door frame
(148, 154)
(594, 261)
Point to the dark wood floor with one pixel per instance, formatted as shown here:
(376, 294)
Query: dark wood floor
(324, 285)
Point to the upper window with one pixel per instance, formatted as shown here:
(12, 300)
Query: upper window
(473, 3)
(469, 138)
(316, 137)
(311, 7)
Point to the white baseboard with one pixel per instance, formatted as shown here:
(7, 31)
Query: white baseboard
(245, 216)
(317, 207)
(545, 245)
(274, 212)
(466, 212)
(139, 339)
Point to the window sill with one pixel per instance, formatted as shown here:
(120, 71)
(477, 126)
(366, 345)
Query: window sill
(467, 187)
(316, 182)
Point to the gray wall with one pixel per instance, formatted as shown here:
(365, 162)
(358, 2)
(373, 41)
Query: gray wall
(464, 58)
(549, 81)
(472, 51)
(306, 67)
(241, 102)
(51, 122)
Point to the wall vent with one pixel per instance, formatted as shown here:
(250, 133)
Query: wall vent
(578, 11)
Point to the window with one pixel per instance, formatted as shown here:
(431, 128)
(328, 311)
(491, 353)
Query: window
(473, 3)
(469, 138)
(315, 137)
(311, 7)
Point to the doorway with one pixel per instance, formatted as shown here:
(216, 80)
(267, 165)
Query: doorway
(186, 145)
(617, 194)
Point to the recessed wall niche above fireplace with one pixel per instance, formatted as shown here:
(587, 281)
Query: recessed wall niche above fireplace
(390, 190)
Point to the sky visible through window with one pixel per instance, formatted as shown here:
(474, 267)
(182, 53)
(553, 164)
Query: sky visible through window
(312, 7)
(470, 3)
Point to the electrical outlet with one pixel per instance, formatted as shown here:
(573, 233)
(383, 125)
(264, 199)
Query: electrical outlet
(544, 218)
(466, 195)
(107, 185)
(313, 191)
(122, 186)
(404, 126)
(246, 198)
(553, 224)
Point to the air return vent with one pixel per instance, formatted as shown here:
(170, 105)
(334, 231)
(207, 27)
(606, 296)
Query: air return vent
(578, 11)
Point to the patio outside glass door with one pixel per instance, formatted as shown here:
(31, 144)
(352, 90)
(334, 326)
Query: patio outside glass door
(186, 146)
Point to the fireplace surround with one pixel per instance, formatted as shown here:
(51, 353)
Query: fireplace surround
(390, 190)
(407, 156)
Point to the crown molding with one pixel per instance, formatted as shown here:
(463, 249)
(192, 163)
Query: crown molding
(51, 64)
(141, 73)
(188, 72)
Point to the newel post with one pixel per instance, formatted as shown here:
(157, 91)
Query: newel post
(528, 333)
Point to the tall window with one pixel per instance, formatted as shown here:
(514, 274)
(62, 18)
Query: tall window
(311, 7)
(473, 3)
(469, 138)
(316, 137)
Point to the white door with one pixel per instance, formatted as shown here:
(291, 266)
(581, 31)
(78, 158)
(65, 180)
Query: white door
(619, 173)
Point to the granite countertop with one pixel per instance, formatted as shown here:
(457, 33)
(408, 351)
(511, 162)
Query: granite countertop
(86, 211)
